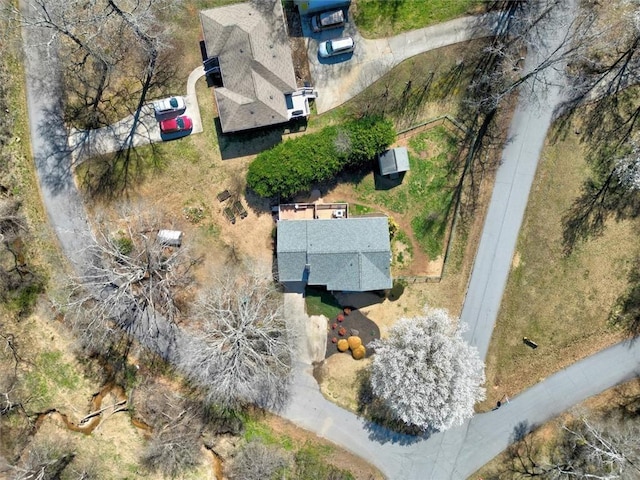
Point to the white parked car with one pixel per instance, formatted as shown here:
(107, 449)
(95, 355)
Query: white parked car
(169, 105)
(336, 46)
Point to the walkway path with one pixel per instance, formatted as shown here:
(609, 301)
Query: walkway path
(342, 78)
(85, 144)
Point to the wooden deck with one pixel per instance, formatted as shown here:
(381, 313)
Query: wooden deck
(308, 211)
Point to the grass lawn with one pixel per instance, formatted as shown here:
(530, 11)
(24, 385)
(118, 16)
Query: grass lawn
(421, 88)
(376, 18)
(321, 302)
(421, 203)
(561, 302)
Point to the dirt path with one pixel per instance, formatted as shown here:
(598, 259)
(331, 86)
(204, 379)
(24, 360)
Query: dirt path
(420, 264)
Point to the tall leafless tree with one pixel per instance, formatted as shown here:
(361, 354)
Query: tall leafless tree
(243, 349)
(136, 285)
(597, 448)
(112, 55)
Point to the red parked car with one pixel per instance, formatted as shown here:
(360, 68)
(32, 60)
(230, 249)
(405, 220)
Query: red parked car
(178, 124)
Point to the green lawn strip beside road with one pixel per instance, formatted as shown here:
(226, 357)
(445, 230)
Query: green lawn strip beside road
(376, 19)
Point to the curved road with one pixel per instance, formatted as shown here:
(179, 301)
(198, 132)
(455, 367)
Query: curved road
(459, 452)
(49, 142)
(455, 453)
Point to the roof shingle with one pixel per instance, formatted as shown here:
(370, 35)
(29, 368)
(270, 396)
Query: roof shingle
(350, 254)
(252, 46)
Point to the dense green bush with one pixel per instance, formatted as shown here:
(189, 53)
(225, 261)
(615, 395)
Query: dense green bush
(296, 165)
(309, 465)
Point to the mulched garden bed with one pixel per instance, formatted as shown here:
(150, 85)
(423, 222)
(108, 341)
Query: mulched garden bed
(354, 321)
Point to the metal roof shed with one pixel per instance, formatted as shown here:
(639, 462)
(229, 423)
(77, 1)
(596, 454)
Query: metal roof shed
(170, 238)
(394, 161)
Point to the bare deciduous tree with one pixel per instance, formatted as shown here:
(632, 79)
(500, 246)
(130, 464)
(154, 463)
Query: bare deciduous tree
(177, 424)
(103, 46)
(45, 460)
(174, 449)
(426, 373)
(628, 168)
(602, 449)
(112, 56)
(136, 284)
(257, 461)
(242, 351)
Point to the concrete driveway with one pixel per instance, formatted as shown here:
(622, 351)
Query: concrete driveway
(84, 144)
(341, 78)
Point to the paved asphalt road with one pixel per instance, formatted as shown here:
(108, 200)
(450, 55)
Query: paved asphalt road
(531, 120)
(49, 143)
(59, 194)
(459, 452)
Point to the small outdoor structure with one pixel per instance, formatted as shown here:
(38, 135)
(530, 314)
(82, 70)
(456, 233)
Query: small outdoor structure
(393, 162)
(302, 211)
(342, 254)
(170, 238)
(246, 51)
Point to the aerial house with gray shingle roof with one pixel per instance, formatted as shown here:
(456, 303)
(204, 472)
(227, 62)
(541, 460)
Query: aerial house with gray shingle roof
(246, 47)
(343, 254)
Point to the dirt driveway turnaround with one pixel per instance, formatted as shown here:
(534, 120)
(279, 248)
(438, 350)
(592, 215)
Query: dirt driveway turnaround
(341, 78)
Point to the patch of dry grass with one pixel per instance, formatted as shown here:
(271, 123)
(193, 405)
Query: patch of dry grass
(340, 375)
(561, 302)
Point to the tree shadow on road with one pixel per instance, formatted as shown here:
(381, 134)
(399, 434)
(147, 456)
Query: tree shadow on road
(53, 157)
(378, 419)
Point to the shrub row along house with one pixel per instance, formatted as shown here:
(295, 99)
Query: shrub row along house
(247, 57)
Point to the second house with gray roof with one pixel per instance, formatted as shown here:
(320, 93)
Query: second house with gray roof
(341, 254)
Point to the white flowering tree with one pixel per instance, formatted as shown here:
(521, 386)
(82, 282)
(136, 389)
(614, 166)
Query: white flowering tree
(426, 373)
(628, 169)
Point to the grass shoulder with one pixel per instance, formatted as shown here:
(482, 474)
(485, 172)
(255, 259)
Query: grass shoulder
(376, 19)
(561, 302)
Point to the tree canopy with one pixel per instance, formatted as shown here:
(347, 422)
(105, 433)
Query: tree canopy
(241, 351)
(296, 165)
(426, 373)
